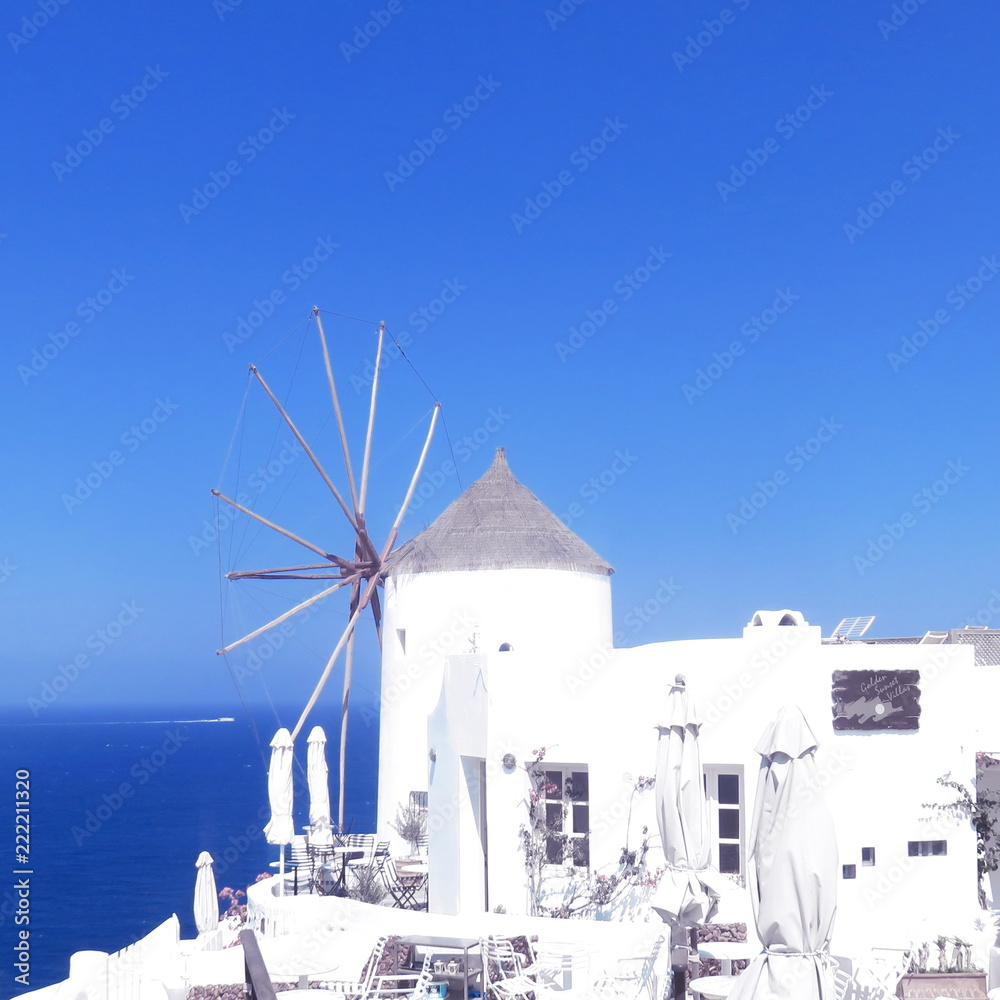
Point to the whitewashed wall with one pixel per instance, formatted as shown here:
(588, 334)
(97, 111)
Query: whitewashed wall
(599, 708)
(549, 614)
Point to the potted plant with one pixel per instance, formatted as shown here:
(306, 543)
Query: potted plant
(411, 824)
(954, 977)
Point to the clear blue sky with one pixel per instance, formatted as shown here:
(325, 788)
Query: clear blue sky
(816, 186)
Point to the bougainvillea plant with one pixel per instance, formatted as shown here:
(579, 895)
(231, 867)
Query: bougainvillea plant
(983, 811)
(576, 889)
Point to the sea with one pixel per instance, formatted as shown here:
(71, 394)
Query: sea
(119, 804)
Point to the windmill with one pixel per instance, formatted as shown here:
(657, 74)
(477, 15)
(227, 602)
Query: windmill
(365, 572)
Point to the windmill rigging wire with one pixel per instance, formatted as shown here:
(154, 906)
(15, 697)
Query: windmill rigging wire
(240, 418)
(238, 430)
(229, 666)
(436, 399)
(246, 543)
(249, 592)
(330, 312)
(287, 337)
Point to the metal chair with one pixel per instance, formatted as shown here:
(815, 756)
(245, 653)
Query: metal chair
(365, 844)
(298, 856)
(883, 968)
(634, 976)
(848, 988)
(389, 985)
(403, 888)
(362, 987)
(505, 976)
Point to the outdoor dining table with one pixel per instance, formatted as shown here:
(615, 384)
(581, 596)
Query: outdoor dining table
(463, 945)
(727, 952)
(308, 994)
(713, 987)
(405, 867)
(343, 855)
(286, 958)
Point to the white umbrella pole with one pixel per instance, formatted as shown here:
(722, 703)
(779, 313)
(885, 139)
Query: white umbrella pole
(281, 872)
(678, 946)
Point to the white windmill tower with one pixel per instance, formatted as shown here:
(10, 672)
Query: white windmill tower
(497, 567)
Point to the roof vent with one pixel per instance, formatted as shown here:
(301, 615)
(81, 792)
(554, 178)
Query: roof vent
(933, 637)
(769, 619)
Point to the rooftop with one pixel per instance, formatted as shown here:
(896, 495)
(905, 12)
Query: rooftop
(497, 524)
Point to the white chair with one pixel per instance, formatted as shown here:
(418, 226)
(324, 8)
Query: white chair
(634, 977)
(298, 854)
(848, 988)
(883, 968)
(505, 975)
(412, 985)
(365, 843)
(562, 965)
(361, 987)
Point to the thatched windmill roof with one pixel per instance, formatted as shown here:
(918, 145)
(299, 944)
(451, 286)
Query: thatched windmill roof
(497, 524)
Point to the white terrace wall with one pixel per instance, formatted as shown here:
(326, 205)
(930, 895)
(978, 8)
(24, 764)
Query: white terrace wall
(600, 709)
(546, 613)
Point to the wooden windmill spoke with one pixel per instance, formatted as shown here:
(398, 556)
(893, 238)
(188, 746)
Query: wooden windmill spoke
(279, 573)
(376, 606)
(336, 409)
(413, 481)
(345, 703)
(371, 585)
(284, 576)
(288, 534)
(333, 659)
(371, 421)
(363, 541)
(312, 456)
(281, 569)
(285, 616)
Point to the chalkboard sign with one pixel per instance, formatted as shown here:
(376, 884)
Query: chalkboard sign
(876, 699)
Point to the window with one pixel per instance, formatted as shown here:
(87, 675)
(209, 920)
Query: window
(850, 871)
(566, 803)
(927, 848)
(505, 647)
(724, 788)
(868, 857)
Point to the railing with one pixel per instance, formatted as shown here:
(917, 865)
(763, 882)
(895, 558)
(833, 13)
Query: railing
(258, 981)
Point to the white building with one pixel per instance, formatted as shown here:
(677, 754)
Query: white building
(499, 642)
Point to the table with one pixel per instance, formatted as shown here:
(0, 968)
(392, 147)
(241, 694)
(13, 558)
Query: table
(405, 867)
(285, 958)
(713, 987)
(555, 959)
(726, 951)
(454, 945)
(344, 854)
(307, 994)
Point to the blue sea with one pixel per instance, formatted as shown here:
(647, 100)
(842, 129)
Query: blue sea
(121, 804)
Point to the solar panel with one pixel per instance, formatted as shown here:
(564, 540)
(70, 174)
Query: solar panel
(853, 628)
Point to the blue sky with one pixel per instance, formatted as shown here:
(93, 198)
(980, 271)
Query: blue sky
(719, 277)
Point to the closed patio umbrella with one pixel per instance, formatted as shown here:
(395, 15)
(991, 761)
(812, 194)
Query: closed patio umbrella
(688, 893)
(793, 877)
(318, 780)
(280, 827)
(206, 897)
